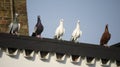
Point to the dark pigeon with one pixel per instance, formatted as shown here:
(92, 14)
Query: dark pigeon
(105, 37)
(38, 28)
(14, 27)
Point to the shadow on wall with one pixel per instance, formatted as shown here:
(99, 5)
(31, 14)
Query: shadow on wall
(45, 56)
(31, 58)
(15, 56)
(29, 54)
(63, 61)
(48, 58)
(77, 63)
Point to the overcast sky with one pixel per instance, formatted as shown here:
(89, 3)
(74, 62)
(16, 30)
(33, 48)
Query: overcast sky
(93, 16)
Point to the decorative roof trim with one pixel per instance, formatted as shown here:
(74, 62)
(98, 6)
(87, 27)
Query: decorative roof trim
(58, 46)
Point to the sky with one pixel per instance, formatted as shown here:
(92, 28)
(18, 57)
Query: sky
(93, 16)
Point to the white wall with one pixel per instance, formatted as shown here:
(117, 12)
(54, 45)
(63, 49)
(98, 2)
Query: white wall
(20, 61)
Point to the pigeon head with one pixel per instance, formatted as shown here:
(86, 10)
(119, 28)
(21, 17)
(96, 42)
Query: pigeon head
(62, 20)
(38, 19)
(16, 14)
(106, 28)
(106, 25)
(39, 16)
(78, 21)
(16, 18)
(78, 24)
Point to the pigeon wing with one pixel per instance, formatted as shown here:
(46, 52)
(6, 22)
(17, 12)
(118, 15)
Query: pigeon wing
(10, 27)
(18, 26)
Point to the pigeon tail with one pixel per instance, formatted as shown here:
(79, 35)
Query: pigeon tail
(57, 37)
(11, 30)
(33, 34)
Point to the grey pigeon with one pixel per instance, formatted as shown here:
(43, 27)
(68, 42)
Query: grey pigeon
(14, 27)
(38, 28)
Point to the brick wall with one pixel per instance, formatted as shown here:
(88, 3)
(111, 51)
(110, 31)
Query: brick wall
(6, 15)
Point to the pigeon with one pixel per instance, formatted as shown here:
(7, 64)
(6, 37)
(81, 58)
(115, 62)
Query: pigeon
(105, 37)
(76, 33)
(38, 29)
(14, 27)
(60, 30)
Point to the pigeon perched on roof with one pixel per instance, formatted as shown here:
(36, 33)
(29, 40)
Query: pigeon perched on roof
(14, 27)
(60, 30)
(38, 29)
(76, 33)
(105, 37)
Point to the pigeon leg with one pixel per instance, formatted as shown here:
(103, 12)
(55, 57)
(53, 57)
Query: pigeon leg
(76, 41)
(16, 33)
(38, 36)
(106, 45)
(55, 37)
(12, 32)
(60, 38)
(72, 39)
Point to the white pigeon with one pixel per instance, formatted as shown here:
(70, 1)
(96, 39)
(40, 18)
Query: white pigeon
(60, 30)
(76, 33)
(14, 27)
